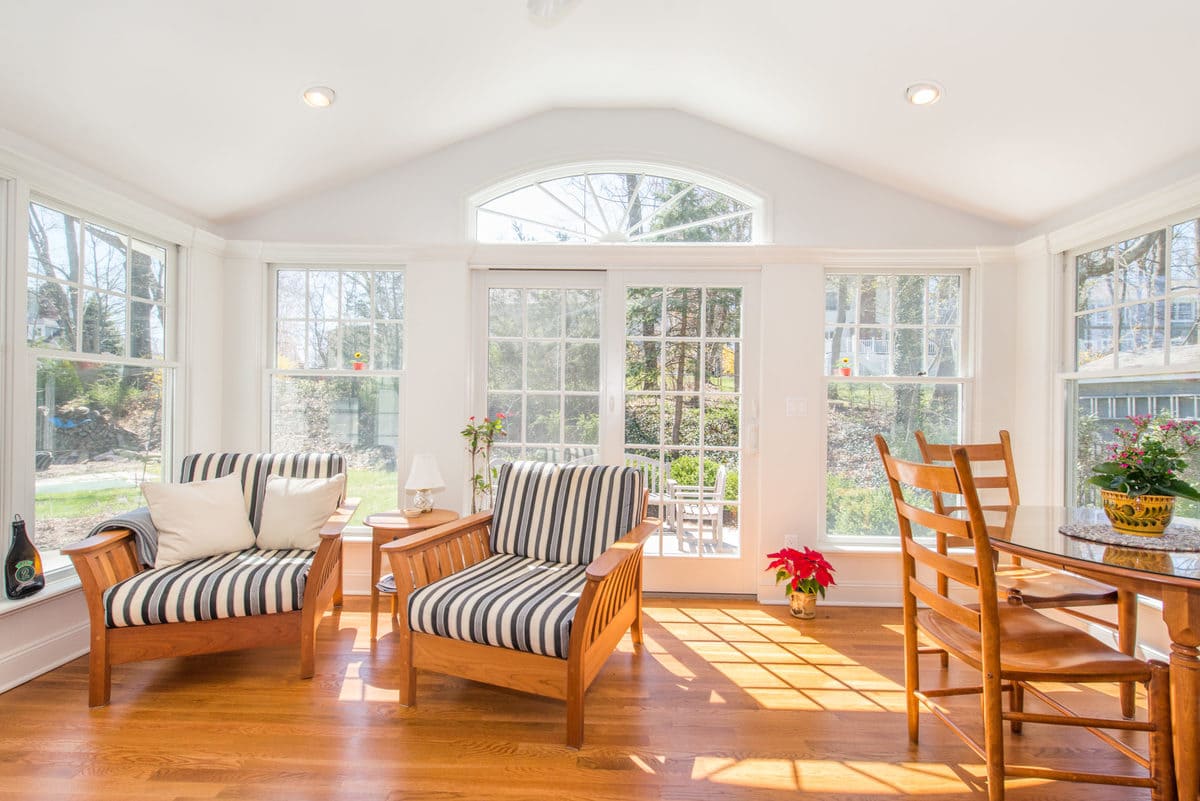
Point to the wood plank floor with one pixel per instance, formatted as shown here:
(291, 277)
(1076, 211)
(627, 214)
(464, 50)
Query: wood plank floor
(727, 701)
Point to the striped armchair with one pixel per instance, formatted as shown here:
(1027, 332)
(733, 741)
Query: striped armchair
(534, 595)
(219, 603)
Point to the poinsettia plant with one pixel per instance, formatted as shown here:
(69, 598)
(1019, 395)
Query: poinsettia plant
(1149, 457)
(806, 571)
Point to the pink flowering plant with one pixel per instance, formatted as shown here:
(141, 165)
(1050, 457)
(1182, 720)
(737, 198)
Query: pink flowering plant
(1149, 457)
(805, 571)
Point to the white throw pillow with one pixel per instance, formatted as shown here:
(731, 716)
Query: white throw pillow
(295, 509)
(198, 519)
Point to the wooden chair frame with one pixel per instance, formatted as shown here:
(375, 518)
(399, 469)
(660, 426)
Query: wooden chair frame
(610, 605)
(1041, 581)
(110, 557)
(983, 649)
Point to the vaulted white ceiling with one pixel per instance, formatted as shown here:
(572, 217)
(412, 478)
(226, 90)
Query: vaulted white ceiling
(1048, 104)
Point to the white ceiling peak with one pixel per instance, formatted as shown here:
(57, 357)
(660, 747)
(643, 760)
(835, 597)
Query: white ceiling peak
(1047, 104)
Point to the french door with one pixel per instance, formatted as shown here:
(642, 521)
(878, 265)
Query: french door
(651, 369)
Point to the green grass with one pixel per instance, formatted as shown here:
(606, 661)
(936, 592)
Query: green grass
(378, 491)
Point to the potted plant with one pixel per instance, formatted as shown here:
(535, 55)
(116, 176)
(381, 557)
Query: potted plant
(807, 573)
(845, 368)
(480, 438)
(1142, 476)
(358, 362)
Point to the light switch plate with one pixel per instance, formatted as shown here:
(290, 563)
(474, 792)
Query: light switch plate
(791, 540)
(797, 407)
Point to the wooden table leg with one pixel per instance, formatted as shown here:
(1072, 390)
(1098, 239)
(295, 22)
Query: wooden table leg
(376, 556)
(1181, 611)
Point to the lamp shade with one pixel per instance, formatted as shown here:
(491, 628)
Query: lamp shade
(424, 474)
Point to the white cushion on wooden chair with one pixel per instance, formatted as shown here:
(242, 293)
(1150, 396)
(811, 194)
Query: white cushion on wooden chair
(295, 509)
(199, 519)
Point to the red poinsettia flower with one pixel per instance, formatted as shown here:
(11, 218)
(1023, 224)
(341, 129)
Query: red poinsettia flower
(806, 571)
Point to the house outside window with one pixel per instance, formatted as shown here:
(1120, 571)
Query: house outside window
(99, 300)
(336, 375)
(894, 345)
(1134, 343)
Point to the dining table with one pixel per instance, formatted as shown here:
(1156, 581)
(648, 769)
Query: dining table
(1169, 576)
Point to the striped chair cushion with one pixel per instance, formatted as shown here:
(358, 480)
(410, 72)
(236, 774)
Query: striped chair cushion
(509, 601)
(564, 513)
(238, 584)
(253, 469)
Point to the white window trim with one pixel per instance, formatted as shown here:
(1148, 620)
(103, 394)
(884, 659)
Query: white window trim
(759, 207)
(863, 543)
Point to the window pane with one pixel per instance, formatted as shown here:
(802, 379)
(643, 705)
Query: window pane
(98, 434)
(504, 365)
(356, 416)
(290, 290)
(722, 367)
(910, 299)
(858, 501)
(1094, 340)
(583, 367)
(389, 294)
(1102, 405)
(942, 357)
(1185, 255)
(583, 313)
(681, 368)
(1142, 335)
(874, 352)
(721, 422)
(583, 419)
(104, 254)
(545, 419)
(1140, 273)
(504, 312)
(148, 271)
(683, 312)
(323, 294)
(356, 345)
(544, 313)
(839, 344)
(321, 352)
(147, 330)
(50, 314)
(289, 345)
(910, 352)
(389, 347)
(875, 300)
(1094, 279)
(356, 295)
(642, 367)
(542, 366)
(53, 243)
(103, 323)
(643, 419)
(945, 299)
(643, 311)
(723, 312)
(681, 423)
(508, 404)
(841, 298)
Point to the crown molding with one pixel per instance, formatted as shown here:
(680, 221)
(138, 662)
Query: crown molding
(1172, 200)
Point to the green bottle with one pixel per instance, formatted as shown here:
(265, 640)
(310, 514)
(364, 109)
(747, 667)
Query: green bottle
(23, 568)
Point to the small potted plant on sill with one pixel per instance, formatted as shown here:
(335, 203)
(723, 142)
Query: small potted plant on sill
(358, 362)
(480, 437)
(844, 369)
(1142, 476)
(807, 573)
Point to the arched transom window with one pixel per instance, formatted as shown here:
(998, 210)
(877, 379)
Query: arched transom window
(617, 204)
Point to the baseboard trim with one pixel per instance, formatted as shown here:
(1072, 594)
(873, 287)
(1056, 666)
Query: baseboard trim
(41, 656)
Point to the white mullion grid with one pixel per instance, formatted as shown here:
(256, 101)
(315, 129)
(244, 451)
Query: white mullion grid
(587, 182)
(665, 207)
(583, 219)
(637, 190)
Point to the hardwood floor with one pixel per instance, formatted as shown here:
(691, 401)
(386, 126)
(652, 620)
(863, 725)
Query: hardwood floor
(728, 701)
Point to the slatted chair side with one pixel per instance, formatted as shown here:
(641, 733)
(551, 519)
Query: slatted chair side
(941, 569)
(996, 456)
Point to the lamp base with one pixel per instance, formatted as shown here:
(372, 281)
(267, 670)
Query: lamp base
(423, 500)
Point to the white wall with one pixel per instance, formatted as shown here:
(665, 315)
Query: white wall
(424, 201)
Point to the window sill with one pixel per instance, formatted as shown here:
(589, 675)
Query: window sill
(59, 582)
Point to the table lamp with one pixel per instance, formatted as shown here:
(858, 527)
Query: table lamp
(423, 478)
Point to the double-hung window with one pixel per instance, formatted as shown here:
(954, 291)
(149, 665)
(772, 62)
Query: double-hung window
(335, 380)
(1135, 346)
(894, 365)
(98, 302)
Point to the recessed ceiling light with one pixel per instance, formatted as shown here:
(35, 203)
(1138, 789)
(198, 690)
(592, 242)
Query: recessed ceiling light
(319, 96)
(924, 93)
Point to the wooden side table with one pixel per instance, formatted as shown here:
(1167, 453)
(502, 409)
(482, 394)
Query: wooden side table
(389, 526)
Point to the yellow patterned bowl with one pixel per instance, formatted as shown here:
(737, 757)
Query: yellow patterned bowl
(1144, 515)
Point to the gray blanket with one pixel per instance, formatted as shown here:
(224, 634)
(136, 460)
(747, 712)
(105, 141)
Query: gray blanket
(145, 535)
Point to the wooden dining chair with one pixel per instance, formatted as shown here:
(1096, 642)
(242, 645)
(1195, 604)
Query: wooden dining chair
(1010, 645)
(1034, 586)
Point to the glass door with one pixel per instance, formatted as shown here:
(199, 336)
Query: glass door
(689, 421)
(654, 370)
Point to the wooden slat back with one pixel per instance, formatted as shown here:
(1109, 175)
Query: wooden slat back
(910, 481)
(991, 464)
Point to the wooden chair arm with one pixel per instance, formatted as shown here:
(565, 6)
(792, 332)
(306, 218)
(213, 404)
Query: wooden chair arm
(105, 540)
(423, 558)
(338, 520)
(604, 564)
(431, 537)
